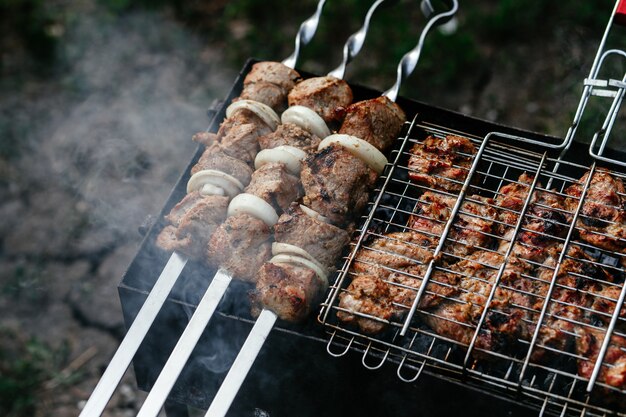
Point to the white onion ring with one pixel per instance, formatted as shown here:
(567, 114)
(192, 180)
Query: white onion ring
(231, 185)
(299, 261)
(359, 148)
(307, 119)
(264, 111)
(279, 248)
(254, 206)
(314, 214)
(210, 189)
(290, 156)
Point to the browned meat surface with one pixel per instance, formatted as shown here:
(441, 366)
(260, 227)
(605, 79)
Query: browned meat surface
(367, 295)
(377, 121)
(291, 292)
(327, 96)
(544, 225)
(321, 240)
(212, 159)
(505, 322)
(471, 229)
(602, 221)
(292, 135)
(269, 83)
(336, 184)
(613, 370)
(391, 252)
(193, 222)
(275, 185)
(240, 245)
(441, 163)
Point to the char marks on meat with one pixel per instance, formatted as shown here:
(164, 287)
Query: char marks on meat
(274, 184)
(367, 294)
(327, 96)
(441, 163)
(291, 135)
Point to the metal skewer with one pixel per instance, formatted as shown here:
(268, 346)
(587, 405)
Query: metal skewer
(205, 309)
(122, 358)
(265, 322)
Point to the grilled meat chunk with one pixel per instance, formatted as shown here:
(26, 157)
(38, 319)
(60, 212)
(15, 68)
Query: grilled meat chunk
(290, 291)
(269, 83)
(192, 223)
(368, 295)
(240, 245)
(321, 240)
(544, 223)
(275, 185)
(215, 159)
(602, 220)
(471, 229)
(327, 96)
(441, 163)
(588, 342)
(336, 184)
(292, 135)
(377, 121)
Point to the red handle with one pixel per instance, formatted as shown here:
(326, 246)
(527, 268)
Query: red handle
(620, 13)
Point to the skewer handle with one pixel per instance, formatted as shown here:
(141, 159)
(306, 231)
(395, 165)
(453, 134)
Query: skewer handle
(185, 345)
(238, 372)
(135, 335)
(305, 34)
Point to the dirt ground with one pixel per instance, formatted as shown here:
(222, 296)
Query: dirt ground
(90, 151)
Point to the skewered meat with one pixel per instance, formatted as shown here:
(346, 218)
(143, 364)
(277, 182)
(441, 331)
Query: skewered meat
(292, 135)
(239, 238)
(220, 161)
(269, 83)
(192, 222)
(471, 229)
(441, 163)
(336, 183)
(377, 121)
(288, 290)
(367, 294)
(602, 220)
(544, 224)
(322, 240)
(327, 96)
(275, 185)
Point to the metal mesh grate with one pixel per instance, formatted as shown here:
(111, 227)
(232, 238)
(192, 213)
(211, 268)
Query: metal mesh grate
(474, 264)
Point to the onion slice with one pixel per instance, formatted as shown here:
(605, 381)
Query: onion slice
(264, 111)
(307, 119)
(359, 148)
(288, 155)
(312, 213)
(300, 261)
(228, 183)
(280, 248)
(254, 206)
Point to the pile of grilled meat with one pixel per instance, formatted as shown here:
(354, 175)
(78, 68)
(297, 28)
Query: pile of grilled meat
(272, 202)
(482, 249)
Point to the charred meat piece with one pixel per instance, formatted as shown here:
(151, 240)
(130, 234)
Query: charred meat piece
(321, 240)
(290, 291)
(274, 184)
(240, 245)
(441, 163)
(602, 220)
(291, 135)
(545, 222)
(327, 96)
(269, 83)
(214, 159)
(377, 121)
(588, 342)
(192, 223)
(471, 229)
(336, 184)
(368, 295)
(506, 320)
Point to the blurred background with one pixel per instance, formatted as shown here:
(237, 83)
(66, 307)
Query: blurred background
(99, 100)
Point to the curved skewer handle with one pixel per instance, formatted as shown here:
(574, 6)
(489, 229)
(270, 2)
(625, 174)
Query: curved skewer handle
(409, 60)
(305, 34)
(355, 42)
